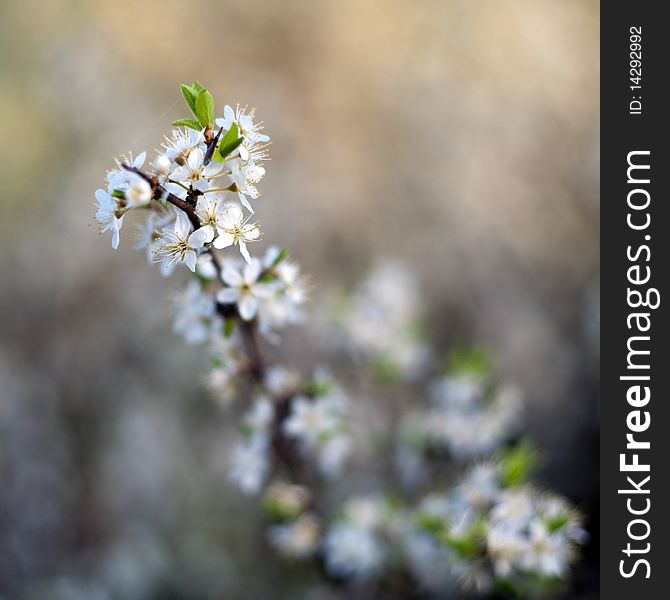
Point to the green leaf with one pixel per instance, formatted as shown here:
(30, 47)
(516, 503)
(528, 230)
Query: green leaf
(280, 257)
(197, 87)
(474, 361)
(189, 95)
(118, 194)
(518, 464)
(204, 108)
(315, 388)
(230, 141)
(192, 123)
(228, 328)
(385, 370)
(558, 522)
(430, 523)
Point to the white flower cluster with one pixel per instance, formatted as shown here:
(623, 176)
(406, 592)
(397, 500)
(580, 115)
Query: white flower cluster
(468, 417)
(354, 547)
(269, 292)
(535, 533)
(250, 461)
(488, 528)
(211, 175)
(492, 526)
(315, 421)
(296, 530)
(318, 424)
(491, 531)
(382, 321)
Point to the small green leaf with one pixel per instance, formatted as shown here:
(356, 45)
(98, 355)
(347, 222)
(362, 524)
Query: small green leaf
(385, 370)
(204, 108)
(280, 257)
(189, 95)
(197, 87)
(473, 361)
(118, 194)
(246, 430)
(230, 141)
(430, 523)
(228, 328)
(558, 522)
(192, 123)
(518, 464)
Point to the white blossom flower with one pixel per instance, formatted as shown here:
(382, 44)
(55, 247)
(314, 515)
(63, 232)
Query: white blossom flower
(310, 420)
(109, 215)
(249, 464)
(179, 244)
(533, 533)
(261, 415)
(243, 288)
(470, 420)
(162, 165)
(194, 171)
(210, 210)
(318, 425)
(138, 191)
(281, 381)
(151, 231)
(353, 552)
(183, 141)
(298, 539)
(233, 228)
(117, 179)
(246, 187)
(205, 267)
(194, 313)
(247, 128)
(382, 320)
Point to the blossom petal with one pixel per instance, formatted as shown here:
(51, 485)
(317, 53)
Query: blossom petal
(224, 240)
(245, 202)
(247, 306)
(195, 159)
(116, 234)
(244, 252)
(104, 199)
(182, 226)
(231, 276)
(200, 236)
(139, 161)
(227, 295)
(180, 173)
(190, 259)
(213, 168)
(252, 270)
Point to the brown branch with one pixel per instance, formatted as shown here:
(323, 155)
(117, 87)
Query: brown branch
(250, 341)
(160, 192)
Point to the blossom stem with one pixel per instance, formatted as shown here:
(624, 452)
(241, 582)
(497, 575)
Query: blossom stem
(160, 192)
(256, 361)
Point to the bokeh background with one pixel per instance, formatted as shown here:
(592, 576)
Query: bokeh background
(459, 137)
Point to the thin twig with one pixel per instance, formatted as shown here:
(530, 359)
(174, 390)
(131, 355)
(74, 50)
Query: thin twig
(160, 192)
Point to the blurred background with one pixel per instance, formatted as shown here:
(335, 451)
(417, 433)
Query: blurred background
(458, 137)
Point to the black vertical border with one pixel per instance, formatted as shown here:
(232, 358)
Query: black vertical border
(620, 134)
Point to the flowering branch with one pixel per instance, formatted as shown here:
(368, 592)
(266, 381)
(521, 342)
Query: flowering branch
(492, 528)
(159, 192)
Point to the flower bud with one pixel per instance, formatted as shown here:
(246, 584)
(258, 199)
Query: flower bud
(138, 192)
(162, 165)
